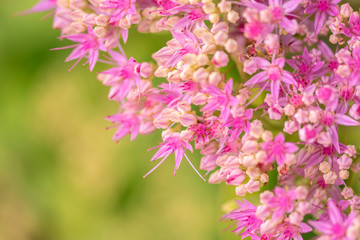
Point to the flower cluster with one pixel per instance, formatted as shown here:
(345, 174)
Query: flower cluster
(275, 122)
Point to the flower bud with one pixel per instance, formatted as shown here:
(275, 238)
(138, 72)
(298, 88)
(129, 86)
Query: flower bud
(220, 59)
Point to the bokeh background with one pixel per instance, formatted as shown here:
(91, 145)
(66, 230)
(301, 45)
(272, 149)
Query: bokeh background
(61, 175)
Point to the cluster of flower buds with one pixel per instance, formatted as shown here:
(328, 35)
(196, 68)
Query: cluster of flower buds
(237, 79)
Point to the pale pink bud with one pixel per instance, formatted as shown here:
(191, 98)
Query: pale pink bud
(161, 122)
(220, 161)
(324, 139)
(260, 156)
(249, 161)
(224, 6)
(266, 196)
(346, 10)
(310, 172)
(330, 177)
(343, 55)
(343, 71)
(78, 4)
(272, 43)
(256, 129)
(289, 110)
(220, 27)
(355, 167)
(264, 178)
(275, 112)
(161, 71)
(184, 107)
(308, 134)
(350, 150)
(235, 177)
(263, 212)
(200, 75)
(324, 167)
(355, 111)
(233, 16)
(250, 67)
(320, 194)
(202, 59)
(301, 116)
(241, 190)
(220, 59)
(215, 178)
(314, 116)
(199, 99)
(344, 162)
(210, 148)
(187, 120)
(290, 127)
(301, 192)
(268, 226)
(253, 172)
(189, 58)
(344, 174)
(89, 19)
(303, 208)
(231, 45)
(252, 186)
(145, 70)
(220, 38)
(267, 136)
(232, 162)
(209, 7)
(133, 18)
(295, 218)
(100, 32)
(250, 147)
(215, 78)
(347, 192)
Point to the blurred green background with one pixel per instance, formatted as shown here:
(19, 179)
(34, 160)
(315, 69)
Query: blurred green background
(61, 175)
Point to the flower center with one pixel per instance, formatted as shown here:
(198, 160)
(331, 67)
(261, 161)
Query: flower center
(323, 5)
(274, 73)
(277, 14)
(196, 14)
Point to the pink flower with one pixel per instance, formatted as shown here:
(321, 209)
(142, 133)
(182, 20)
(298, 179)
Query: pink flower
(337, 223)
(41, 6)
(88, 46)
(245, 218)
(282, 202)
(119, 8)
(173, 144)
(322, 8)
(126, 123)
(220, 100)
(278, 148)
(274, 73)
(277, 13)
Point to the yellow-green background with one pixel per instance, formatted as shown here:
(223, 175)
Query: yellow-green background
(61, 175)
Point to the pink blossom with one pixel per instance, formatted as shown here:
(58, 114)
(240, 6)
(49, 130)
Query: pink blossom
(322, 8)
(278, 148)
(173, 144)
(88, 46)
(274, 73)
(337, 223)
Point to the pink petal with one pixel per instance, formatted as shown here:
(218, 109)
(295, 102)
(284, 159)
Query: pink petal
(345, 120)
(291, 5)
(275, 89)
(334, 212)
(260, 77)
(320, 19)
